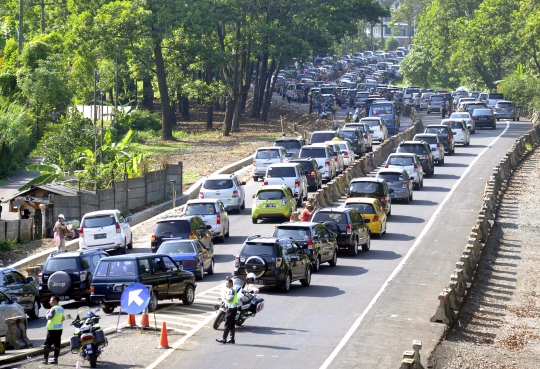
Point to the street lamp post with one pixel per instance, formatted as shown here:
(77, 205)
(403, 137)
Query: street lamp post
(96, 76)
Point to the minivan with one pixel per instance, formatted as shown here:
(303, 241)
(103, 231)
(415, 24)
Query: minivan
(105, 230)
(434, 103)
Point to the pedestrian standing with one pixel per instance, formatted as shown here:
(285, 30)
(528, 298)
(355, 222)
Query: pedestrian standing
(305, 216)
(334, 110)
(310, 105)
(55, 317)
(417, 103)
(284, 91)
(60, 230)
(289, 95)
(231, 302)
(448, 108)
(443, 109)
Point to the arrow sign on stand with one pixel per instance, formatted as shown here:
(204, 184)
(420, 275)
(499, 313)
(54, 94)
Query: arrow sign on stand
(135, 298)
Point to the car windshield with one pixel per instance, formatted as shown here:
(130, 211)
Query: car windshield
(380, 109)
(54, 265)
(100, 221)
(390, 177)
(289, 144)
(322, 137)
(343, 146)
(372, 123)
(296, 233)
(400, 160)
(375, 188)
(413, 149)
(436, 99)
(455, 124)
(217, 184)
(361, 127)
(200, 209)
(362, 208)
(432, 140)
(250, 249)
(323, 216)
(306, 165)
(313, 153)
(495, 96)
(459, 115)
(173, 227)
(478, 112)
(270, 195)
(267, 154)
(504, 105)
(276, 172)
(117, 268)
(171, 247)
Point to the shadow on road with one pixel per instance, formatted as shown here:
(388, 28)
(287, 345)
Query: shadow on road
(462, 154)
(435, 189)
(379, 255)
(344, 270)
(223, 258)
(445, 176)
(312, 291)
(454, 165)
(269, 330)
(421, 203)
(405, 219)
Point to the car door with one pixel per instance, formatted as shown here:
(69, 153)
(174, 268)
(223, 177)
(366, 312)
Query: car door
(294, 259)
(125, 227)
(13, 289)
(147, 276)
(204, 234)
(203, 254)
(358, 223)
(160, 277)
(325, 242)
(177, 278)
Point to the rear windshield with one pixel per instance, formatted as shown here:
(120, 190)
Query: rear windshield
(413, 149)
(296, 233)
(496, 96)
(362, 208)
(322, 216)
(358, 188)
(170, 247)
(288, 145)
(459, 115)
(437, 98)
(200, 209)
(217, 184)
(327, 91)
(400, 160)
(362, 95)
(116, 268)
(172, 227)
(306, 165)
(313, 153)
(349, 134)
(361, 127)
(372, 123)
(261, 249)
(276, 172)
(270, 195)
(504, 104)
(438, 131)
(380, 109)
(54, 265)
(390, 177)
(267, 154)
(477, 112)
(101, 221)
(322, 137)
(429, 139)
(454, 124)
(410, 91)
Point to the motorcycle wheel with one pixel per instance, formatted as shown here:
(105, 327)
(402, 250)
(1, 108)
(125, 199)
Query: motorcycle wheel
(92, 359)
(219, 319)
(239, 322)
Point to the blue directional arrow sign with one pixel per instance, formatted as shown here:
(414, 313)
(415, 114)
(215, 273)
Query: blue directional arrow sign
(135, 298)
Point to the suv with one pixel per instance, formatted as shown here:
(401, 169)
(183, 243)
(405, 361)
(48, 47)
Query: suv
(505, 110)
(226, 187)
(377, 128)
(459, 130)
(68, 275)
(323, 157)
(291, 175)
(314, 238)
(22, 289)
(189, 226)
(291, 144)
(484, 118)
(445, 133)
(435, 143)
(371, 187)
(409, 162)
(351, 229)
(366, 131)
(167, 280)
(264, 156)
(339, 161)
(274, 261)
(422, 149)
(322, 136)
(313, 174)
(212, 212)
(355, 136)
(105, 230)
(434, 103)
(493, 98)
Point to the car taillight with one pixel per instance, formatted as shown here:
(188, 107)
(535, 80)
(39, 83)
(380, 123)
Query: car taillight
(345, 154)
(462, 129)
(201, 195)
(336, 159)
(380, 127)
(494, 109)
(449, 139)
(404, 184)
(296, 183)
(91, 290)
(492, 117)
(438, 145)
(327, 163)
(191, 235)
(415, 166)
(153, 238)
(310, 243)
(383, 199)
(83, 274)
(80, 231)
(265, 183)
(284, 201)
(278, 262)
(189, 262)
(386, 165)
(312, 174)
(376, 218)
(118, 230)
(40, 277)
(218, 221)
(235, 193)
(348, 229)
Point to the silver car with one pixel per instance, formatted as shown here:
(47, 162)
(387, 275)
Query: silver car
(435, 143)
(505, 110)
(226, 187)
(399, 182)
(409, 162)
(212, 212)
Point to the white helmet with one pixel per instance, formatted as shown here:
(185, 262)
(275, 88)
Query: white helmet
(250, 278)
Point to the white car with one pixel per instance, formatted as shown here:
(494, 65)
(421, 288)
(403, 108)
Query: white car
(377, 128)
(347, 152)
(468, 119)
(435, 143)
(366, 132)
(323, 157)
(338, 156)
(409, 162)
(264, 156)
(105, 230)
(460, 131)
(226, 187)
(290, 174)
(213, 213)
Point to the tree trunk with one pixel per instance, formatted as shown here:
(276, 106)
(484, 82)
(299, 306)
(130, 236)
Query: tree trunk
(148, 94)
(185, 109)
(173, 113)
(263, 76)
(209, 117)
(236, 116)
(229, 112)
(269, 90)
(256, 88)
(166, 128)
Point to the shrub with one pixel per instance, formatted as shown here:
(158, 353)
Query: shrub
(143, 120)
(391, 43)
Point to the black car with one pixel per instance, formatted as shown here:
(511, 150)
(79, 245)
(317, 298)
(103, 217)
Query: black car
(274, 261)
(372, 187)
(423, 150)
(313, 174)
(22, 289)
(189, 226)
(445, 133)
(484, 118)
(315, 239)
(167, 280)
(354, 135)
(68, 275)
(348, 224)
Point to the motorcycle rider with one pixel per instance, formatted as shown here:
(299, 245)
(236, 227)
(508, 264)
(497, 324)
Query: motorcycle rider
(55, 318)
(231, 303)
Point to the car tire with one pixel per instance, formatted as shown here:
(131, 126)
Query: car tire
(189, 295)
(367, 245)
(333, 262)
(307, 280)
(243, 206)
(210, 270)
(286, 285)
(411, 197)
(498, 119)
(422, 183)
(494, 126)
(517, 119)
(123, 250)
(253, 220)
(389, 211)
(200, 275)
(317, 265)
(353, 249)
(153, 303)
(107, 309)
(432, 171)
(227, 234)
(453, 150)
(130, 244)
(34, 313)
(407, 200)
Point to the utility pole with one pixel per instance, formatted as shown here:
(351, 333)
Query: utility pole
(21, 37)
(42, 16)
(96, 76)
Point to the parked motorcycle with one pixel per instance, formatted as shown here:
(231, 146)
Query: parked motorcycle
(89, 339)
(251, 304)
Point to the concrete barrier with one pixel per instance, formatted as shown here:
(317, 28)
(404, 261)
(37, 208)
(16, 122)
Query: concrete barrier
(16, 334)
(444, 313)
(411, 358)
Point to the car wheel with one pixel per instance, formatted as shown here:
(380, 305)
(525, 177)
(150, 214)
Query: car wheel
(123, 250)
(107, 309)
(189, 295)
(317, 267)
(153, 304)
(286, 285)
(200, 276)
(34, 313)
(367, 245)
(407, 200)
(498, 119)
(243, 206)
(254, 220)
(389, 210)
(353, 249)
(474, 130)
(494, 126)
(333, 262)
(307, 280)
(422, 183)
(130, 244)
(227, 234)
(453, 150)
(433, 171)
(411, 197)
(211, 268)
(517, 119)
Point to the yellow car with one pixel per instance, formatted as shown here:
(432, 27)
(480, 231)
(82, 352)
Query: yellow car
(371, 209)
(273, 201)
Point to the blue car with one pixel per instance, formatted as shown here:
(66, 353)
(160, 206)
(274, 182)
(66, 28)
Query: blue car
(191, 254)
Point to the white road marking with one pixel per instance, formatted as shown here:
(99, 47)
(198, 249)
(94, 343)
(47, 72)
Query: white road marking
(428, 225)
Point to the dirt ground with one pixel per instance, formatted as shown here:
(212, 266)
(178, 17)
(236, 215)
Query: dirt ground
(499, 325)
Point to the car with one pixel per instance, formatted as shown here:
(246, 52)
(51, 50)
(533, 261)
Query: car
(424, 152)
(470, 106)
(291, 144)
(264, 156)
(346, 151)
(398, 180)
(339, 162)
(377, 128)
(459, 129)
(434, 103)
(323, 157)
(274, 261)
(291, 175)
(105, 230)
(360, 98)
(322, 136)
(505, 110)
(226, 187)
(68, 275)
(315, 239)
(311, 169)
(424, 98)
(183, 227)
(435, 143)
(466, 116)
(371, 209)
(8, 310)
(388, 111)
(351, 229)
(366, 132)
(166, 279)
(493, 98)
(484, 118)
(191, 255)
(21, 289)
(213, 213)
(271, 202)
(374, 188)
(446, 135)
(409, 162)
(356, 137)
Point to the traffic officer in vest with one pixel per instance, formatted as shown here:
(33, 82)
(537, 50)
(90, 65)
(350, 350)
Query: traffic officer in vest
(55, 317)
(231, 302)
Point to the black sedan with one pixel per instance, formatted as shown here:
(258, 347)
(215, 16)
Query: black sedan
(484, 118)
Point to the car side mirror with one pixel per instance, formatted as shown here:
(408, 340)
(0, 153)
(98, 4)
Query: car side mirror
(433, 149)
(391, 190)
(243, 183)
(129, 219)
(367, 221)
(320, 166)
(253, 196)
(30, 279)
(208, 227)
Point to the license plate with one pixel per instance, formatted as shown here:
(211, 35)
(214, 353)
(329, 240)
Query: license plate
(259, 281)
(64, 298)
(482, 118)
(270, 205)
(100, 236)
(89, 350)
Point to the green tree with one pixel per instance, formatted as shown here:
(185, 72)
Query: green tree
(391, 43)
(15, 136)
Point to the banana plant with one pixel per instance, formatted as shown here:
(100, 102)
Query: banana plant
(49, 173)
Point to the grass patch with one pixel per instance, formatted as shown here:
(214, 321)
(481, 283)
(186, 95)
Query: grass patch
(182, 135)
(8, 245)
(159, 148)
(190, 177)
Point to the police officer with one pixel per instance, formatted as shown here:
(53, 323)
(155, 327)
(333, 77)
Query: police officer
(231, 302)
(55, 317)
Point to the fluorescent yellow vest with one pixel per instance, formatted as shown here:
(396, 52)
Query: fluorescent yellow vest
(55, 323)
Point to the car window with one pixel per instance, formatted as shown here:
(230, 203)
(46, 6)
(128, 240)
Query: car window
(318, 137)
(95, 260)
(217, 184)
(390, 177)
(199, 247)
(86, 262)
(429, 139)
(297, 233)
(413, 149)
(120, 268)
(288, 144)
(495, 96)
(4, 299)
(372, 123)
(366, 188)
(172, 227)
(54, 265)
(322, 216)
(381, 109)
(456, 125)
(200, 209)
(176, 247)
(258, 249)
(8, 278)
(170, 265)
(99, 221)
(348, 134)
(144, 267)
(101, 270)
(504, 104)
(267, 154)
(400, 160)
(290, 249)
(273, 172)
(362, 208)
(313, 152)
(270, 195)
(478, 112)
(306, 165)
(120, 218)
(159, 266)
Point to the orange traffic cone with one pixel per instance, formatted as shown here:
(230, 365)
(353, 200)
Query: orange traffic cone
(163, 339)
(131, 320)
(145, 321)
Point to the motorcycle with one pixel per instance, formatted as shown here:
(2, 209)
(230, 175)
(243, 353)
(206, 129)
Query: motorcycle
(250, 304)
(88, 340)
